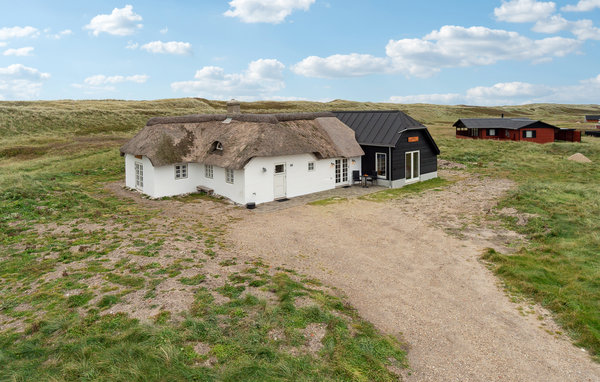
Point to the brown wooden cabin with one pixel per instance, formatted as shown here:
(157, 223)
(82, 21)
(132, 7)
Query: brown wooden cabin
(513, 129)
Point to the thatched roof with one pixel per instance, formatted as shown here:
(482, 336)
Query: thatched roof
(192, 138)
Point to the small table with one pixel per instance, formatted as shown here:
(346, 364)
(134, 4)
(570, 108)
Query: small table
(363, 180)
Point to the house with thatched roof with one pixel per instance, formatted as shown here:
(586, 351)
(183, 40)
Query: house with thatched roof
(248, 158)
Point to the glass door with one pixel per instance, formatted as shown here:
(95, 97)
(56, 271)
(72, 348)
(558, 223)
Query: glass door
(412, 164)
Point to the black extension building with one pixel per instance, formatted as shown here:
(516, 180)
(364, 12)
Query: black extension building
(398, 148)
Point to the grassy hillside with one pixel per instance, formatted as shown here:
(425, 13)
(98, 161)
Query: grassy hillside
(112, 116)
(55, 157)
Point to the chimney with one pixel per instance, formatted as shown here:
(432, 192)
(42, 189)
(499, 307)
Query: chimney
(233, 107)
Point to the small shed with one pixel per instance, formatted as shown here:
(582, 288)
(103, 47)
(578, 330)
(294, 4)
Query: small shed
(513, 129)
(397, 148)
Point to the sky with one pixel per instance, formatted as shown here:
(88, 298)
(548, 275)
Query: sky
(443, 52)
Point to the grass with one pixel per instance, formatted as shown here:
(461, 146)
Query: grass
(560, 267)
(327, 201)
(59, 228)
(395, 193)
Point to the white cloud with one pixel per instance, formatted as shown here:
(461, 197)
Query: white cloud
(513, 93)
(262, 78)
(16, 32)
(582, 29)
(2, 44)
(524, 11)
(451, 46)
(582, 6)
(265, 11)
(101, 79)
(165, 30)
(171, 47)
(542, 13)
(121, 22)
(19, 82)
(61, 34)
(25, 51)
(341, 65)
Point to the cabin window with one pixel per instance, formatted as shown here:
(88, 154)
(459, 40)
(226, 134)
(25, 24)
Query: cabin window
(491, 132)
(181, 171)
(217, 146)
(381, 165)
(507, 134)
(528, 133)
(139, 175)
(228, 175)
(311, 166)
(208, 171)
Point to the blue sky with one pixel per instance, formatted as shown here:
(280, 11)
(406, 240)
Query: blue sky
(460, 52)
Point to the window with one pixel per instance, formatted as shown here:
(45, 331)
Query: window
(381, 165)
(181, 171)
(507, 134)
(279, 168)
(139, 175)
(491, 132)
(228, 175)
(528, 133)
(311, 166)
(217, 146)
(208, 171)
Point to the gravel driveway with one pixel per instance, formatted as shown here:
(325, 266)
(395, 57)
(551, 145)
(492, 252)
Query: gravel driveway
(403, 271)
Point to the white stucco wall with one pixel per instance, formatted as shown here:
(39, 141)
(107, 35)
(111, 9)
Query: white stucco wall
(250, 184)
(233, 191)
(299, 181)
(130, 161)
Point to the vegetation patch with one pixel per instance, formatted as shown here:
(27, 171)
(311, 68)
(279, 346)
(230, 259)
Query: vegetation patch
(327, 201)
(396, 193)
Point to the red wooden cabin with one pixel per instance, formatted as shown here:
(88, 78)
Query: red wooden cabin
(513, 129)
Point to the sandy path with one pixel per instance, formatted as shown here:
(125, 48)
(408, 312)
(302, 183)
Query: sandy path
(405, 274)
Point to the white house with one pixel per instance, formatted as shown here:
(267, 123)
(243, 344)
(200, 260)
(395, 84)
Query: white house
(244, 157)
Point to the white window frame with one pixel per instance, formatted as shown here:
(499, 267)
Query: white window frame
(384, 176)
(311, 166)
(208, 171)
(229, 176)
(528, 134)
(491, 132)
(139, 175)
(181, 171)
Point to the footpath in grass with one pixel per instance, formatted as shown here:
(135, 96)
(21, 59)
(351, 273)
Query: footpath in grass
(560, 267)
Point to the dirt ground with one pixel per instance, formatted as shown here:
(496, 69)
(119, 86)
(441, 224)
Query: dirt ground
(412, 267)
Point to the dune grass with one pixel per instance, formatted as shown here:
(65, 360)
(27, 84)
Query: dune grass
(55, 157)
(560, 267)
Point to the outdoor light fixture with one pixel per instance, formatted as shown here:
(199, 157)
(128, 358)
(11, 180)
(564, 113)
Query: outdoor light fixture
(264, 169)
(353, 162)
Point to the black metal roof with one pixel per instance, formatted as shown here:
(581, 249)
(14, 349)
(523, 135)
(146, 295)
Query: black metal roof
(378, 128)
(499, 123)
(592, 117)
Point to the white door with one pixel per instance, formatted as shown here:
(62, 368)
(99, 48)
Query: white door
(412, 166)
(341, 171)
(279, 183)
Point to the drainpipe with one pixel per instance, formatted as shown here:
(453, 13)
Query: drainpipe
(390, 156)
